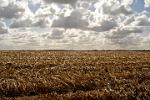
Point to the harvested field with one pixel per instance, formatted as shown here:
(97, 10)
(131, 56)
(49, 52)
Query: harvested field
(71, 75)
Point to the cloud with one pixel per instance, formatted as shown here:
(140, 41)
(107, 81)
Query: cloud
(104, 25)
(21, 23)
(112, 7)
(44, 12)
(42, 22)
(117, 10)
(147, 3)
(146, 41)
(88, 24)
(127, 2)
(129, 20)
(4, 3)
(124, 36)
(56, 34)
(71, 2)
(11, 10)
(34, 1)
(72, 21)
(121, 32)
(3, 28)
(142, 20)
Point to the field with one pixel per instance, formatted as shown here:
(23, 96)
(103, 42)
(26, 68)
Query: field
(75, 75)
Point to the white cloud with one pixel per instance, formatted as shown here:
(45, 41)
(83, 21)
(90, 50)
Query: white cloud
(129, 20)
(31, 22)
(127, 2)
(112, 7)
(142, 20)
(88, 24)
(4, 3)
(146, 41)
(147, 3)
(44, 12)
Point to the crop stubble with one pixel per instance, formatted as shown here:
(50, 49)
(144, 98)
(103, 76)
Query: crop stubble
(71, 75)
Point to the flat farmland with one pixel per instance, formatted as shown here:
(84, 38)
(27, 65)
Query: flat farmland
(72, 75)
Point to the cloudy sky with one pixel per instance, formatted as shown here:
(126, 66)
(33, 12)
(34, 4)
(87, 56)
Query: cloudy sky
(74, 24)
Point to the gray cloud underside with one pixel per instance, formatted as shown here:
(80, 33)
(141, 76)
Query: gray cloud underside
(11, 11)
(3, 28)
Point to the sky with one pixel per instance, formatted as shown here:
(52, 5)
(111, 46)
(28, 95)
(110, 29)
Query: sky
(74, 24)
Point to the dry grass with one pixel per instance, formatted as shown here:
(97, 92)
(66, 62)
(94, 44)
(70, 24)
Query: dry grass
(71, 75)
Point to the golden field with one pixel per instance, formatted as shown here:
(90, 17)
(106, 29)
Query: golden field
(74, 75)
